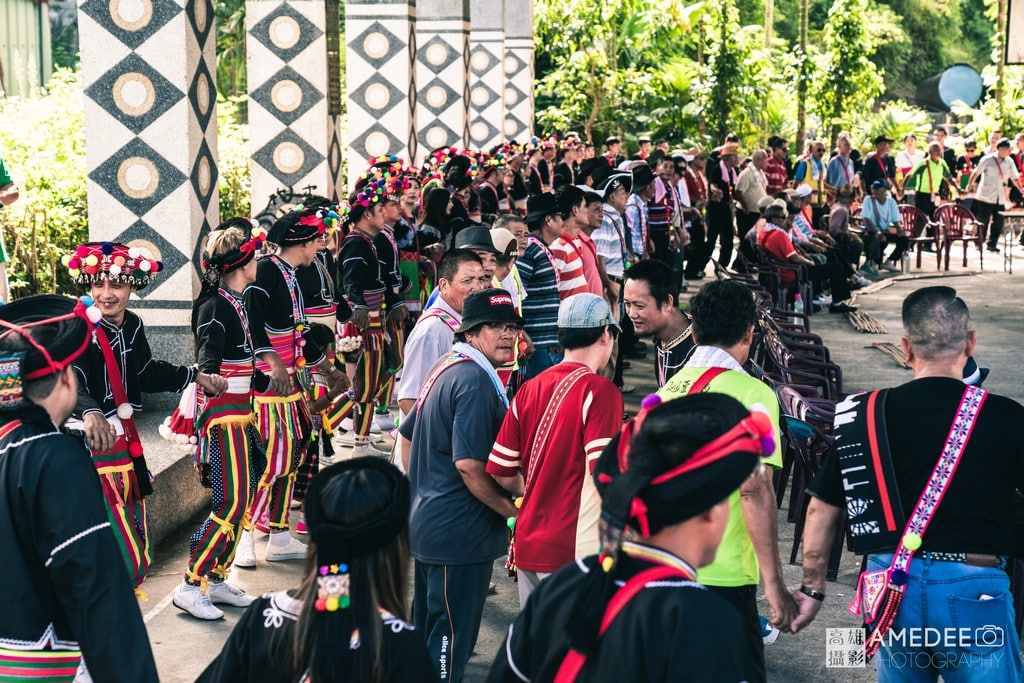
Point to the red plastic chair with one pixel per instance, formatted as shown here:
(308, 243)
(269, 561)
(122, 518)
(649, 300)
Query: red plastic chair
(914, 222)
(957, 224)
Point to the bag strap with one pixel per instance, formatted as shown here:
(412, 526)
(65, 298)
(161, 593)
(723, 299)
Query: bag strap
(705, 379)
(547, 420)
(574, 659)
(131, 432)
(928, 503)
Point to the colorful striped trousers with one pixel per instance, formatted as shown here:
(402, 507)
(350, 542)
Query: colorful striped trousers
(126, 508)
(234, 452)
(367, 381)
(285, 426)
(397, 357)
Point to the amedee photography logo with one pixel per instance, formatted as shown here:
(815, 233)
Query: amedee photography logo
(917, 647)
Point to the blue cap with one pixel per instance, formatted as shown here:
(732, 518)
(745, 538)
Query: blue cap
(585, 311)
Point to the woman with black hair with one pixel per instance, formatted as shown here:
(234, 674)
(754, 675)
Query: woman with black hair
(353, 592)
(636, 612)
(434, 226)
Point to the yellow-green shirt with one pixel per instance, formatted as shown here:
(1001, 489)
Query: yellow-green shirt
(736, 562)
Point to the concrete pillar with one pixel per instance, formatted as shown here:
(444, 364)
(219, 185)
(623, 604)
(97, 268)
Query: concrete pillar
(486, 73)
(294, 97)
(380, 70)
(151, 139)
(442, 74)
(518, 70)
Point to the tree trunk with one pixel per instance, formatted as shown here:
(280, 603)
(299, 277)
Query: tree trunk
(1001, 59)
(701, 121)
(801, 103)
(769, 27)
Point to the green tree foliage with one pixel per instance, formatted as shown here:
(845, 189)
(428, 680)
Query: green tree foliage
(850, 81)
(607, 67)
(43, 143)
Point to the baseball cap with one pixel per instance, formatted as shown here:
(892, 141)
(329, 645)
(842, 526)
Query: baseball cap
(488, 306)
(585, 311)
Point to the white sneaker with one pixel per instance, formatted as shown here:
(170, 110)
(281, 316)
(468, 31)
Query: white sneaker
(822, 300)
(383, 421)
(295, 550)
(349, 426)
(224, 593)
(189, 598)
(370, 449)
(245, 552)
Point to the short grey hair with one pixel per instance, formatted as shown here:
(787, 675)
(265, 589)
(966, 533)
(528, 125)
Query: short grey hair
(936, 322)
(507, 219)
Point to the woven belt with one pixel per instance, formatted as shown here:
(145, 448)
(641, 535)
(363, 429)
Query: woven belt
(616, 280)
(970, 559)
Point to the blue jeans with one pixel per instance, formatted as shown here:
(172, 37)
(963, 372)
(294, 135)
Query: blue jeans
(945, 627)
(541, 360)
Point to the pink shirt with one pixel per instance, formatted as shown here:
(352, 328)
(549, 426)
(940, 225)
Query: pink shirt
(590, 270)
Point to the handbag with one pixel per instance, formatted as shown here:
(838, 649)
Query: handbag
(879, 593)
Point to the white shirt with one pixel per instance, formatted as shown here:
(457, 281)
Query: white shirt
(991, 182)
(429, 341)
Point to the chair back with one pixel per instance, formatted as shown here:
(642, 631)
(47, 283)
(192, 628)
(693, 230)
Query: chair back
(912, 219)
(956, 222)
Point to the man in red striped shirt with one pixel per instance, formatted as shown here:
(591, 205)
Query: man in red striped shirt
(554, 431)
(568, 251)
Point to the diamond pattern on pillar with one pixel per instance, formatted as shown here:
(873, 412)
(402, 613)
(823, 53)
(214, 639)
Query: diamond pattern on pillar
(436, 96)
(202, 95)
(482, 96)
(288, 157)
(131, 21)
(377, 45)
(438, 54)
(377, 140)
(200, 14)
(481, 60)
(334, 154)
(285, 32)
(481, 130)
(137, 177)
(377, 95)
(513, 63)
(437, 134)
(136, 90)
(287, 95)
(204, 175)
(141, 234)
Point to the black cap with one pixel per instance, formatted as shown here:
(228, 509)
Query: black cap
(612, 140)
(643, 138)
(883, 138)
(643, 175)
(589, 166)
(475, 236)
(540, 206)
(488, 306)
(337, 542)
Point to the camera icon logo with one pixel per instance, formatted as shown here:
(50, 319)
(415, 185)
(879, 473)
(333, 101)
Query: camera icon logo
(988, 636)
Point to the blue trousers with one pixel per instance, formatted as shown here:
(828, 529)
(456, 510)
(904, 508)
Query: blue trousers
(955, 621)
(447, 607)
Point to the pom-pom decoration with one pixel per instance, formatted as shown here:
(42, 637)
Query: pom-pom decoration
(125, 411)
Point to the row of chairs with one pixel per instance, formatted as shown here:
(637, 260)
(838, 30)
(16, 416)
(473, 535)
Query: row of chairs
(951, 223)
(797, 364)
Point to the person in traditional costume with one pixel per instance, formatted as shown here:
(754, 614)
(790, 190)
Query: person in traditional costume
(64, 583)
(322, 305)
(113, 372)
(363, 278)
(354, 592)
(395, 284)
(285, 345)
(230, 455)
(667, 478)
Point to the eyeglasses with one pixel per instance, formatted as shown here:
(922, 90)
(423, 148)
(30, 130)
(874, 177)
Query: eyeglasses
(504, 328)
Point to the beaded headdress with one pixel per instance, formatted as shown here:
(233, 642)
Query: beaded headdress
(95, 261)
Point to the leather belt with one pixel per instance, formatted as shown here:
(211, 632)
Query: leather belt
(616, 280)
(970, 559)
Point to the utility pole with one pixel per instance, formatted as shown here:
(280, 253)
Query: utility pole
(801, 107)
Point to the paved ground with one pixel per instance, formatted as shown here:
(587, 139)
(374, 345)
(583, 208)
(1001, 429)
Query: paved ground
(183, 646)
